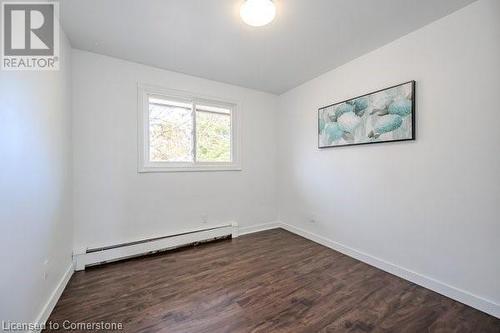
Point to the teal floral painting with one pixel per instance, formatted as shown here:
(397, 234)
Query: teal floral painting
(381, 116)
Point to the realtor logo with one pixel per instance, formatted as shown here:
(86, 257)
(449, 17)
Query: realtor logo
(30, 38)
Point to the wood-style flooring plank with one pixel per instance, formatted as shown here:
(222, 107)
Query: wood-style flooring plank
(271, 281)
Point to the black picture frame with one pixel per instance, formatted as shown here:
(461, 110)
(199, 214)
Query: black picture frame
(413, 118)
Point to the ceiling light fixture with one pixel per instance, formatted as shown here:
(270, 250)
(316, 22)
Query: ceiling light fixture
(257, 12)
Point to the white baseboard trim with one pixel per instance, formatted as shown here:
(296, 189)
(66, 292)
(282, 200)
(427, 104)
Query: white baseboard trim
(54, 297)
(442, 288)
(259, 227)
(457, 294)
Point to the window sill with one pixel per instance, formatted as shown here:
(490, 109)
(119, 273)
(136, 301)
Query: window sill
(199, 168)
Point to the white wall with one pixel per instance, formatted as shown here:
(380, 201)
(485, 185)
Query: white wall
(35, 187)
(431, 206)
(114, 203)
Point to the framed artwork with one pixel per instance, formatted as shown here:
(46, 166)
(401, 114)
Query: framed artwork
(385, 115)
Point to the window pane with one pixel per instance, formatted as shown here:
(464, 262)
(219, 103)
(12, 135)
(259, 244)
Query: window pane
(170, 131)
(213, 135)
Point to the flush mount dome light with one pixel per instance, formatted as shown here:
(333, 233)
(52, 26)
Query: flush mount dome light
(257, 12)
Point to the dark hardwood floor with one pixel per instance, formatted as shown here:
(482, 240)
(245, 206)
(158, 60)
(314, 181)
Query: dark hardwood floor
(272, 281)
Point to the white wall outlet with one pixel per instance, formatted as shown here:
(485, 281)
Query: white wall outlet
(46, 269)
(313, 219)
(204, 219)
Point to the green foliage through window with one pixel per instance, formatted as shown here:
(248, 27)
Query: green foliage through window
(213, 137)
(172, 134)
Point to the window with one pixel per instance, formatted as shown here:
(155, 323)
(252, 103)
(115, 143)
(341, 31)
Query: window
(182, 132)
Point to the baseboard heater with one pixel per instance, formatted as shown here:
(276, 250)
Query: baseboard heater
(101, 255)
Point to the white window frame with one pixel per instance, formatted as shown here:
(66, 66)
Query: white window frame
(145, 165)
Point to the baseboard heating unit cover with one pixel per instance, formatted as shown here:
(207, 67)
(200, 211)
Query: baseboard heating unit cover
(95, 256)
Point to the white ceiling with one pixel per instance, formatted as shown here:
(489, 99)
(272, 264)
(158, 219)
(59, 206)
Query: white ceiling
(206, 38)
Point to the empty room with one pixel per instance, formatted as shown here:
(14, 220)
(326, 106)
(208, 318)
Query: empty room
(250, 166)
